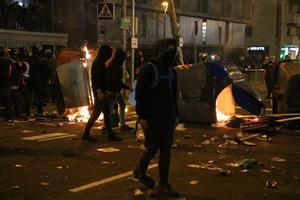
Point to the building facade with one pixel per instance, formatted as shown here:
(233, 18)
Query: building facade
(262, 31)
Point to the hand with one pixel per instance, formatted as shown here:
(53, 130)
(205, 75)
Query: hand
(144, 124)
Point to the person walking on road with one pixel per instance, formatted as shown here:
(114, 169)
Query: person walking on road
(156, 106)
(115, 85)
(99, 88)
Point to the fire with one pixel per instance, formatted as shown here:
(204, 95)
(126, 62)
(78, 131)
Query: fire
(80, 114)
(225, 108)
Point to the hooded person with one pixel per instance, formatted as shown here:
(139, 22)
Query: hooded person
(115, 85)
(99, 88)
(156, 106)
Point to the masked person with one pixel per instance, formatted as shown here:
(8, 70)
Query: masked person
(99, 86)
(156, 106)
(115, 85)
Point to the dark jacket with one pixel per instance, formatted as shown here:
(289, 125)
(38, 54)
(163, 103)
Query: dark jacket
(5, 68)
(115, 73)
(158, 104)
(98, 71)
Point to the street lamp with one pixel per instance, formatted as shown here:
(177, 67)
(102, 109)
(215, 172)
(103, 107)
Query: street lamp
(165, 5)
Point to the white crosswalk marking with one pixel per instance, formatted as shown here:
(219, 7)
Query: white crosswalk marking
(50, 136)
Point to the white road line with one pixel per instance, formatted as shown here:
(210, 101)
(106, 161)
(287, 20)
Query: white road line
(107, 180)
(59, 137)
(47, 137)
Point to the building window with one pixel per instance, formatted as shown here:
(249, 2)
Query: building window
(144, 25)
(248, 31)
(204, 31)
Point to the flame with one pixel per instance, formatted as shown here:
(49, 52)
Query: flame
(225, 108)
(80, 114)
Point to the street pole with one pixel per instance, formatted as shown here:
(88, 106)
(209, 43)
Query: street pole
(164, 25)
(124, 40)
(278, 30)
(132, 49)
(52, 15)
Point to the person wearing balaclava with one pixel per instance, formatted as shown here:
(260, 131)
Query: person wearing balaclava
(156, 106)
(99, 86)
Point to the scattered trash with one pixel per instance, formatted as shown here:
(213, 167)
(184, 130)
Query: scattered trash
(140, 136)
(138, 192)
(59, 167)
(141, 146)
(108, 163)
(174, 146)
(244, 170)
(44, 183)
(206, 142)
(265, 170)
(271, 184)
(60, 124)
(187, 136)
(180, 127)
(211, 161)
(108, 150)
(232, 164)
(204, 136)
(194, 166)
(26, 131)
(31, 119)
(205, 166)
(277, 159)
(265, 138)
(249, 143)
(74, 137)
(248, 163)
(15, 187)
(19, 166)
(193, 182)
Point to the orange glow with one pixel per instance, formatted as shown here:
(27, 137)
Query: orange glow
(225, 108)
(80, 114)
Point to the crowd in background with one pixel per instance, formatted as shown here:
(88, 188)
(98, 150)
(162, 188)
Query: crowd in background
(34, 17)
(26, 79)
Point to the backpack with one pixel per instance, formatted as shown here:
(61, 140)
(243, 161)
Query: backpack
(158, 77)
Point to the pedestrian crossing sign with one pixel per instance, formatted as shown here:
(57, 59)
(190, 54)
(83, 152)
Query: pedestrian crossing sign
(105, 10)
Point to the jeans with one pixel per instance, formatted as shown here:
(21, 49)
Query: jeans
(116, 97)
(101, 105)
(157, 138)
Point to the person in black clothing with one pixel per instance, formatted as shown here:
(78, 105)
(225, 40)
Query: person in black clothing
(115, 85)
(156, 106)
(5, 84)
(99, 87)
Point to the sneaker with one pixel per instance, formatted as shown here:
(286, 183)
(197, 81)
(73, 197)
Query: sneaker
(113, 137)
(88, 138)
(168, 190)
(144, 179)
(126, 128)
(10, 123)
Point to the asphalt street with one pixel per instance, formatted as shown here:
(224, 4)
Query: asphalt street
(45, 159)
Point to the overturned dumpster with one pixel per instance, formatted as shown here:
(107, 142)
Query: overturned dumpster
(208, 93)
(286, 98)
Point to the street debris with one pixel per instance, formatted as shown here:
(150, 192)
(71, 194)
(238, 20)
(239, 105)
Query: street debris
(140, 136)
(44, 183)
(108, 163)
(190, 153)
(244, 170)
(248, 163)
(19, 166)
(174, 146)
(193, 182)
(232, 164)
(15, 187)
(138, 192)
(198, 146)
(59, 167)
(141, 146)
(266, 171)
(206, 142)
(225, 172)
(74, 137)
(26, 131)
(180, 127)
(278, 159)
(249, 143)
(271, 184)
(109, 150)
(187, 136)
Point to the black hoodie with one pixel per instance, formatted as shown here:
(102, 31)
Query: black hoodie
(115, 73)
(98, 71)
(159, 104)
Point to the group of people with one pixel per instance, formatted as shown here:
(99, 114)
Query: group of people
(156, 104)
(26, 78)
(33, 17)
